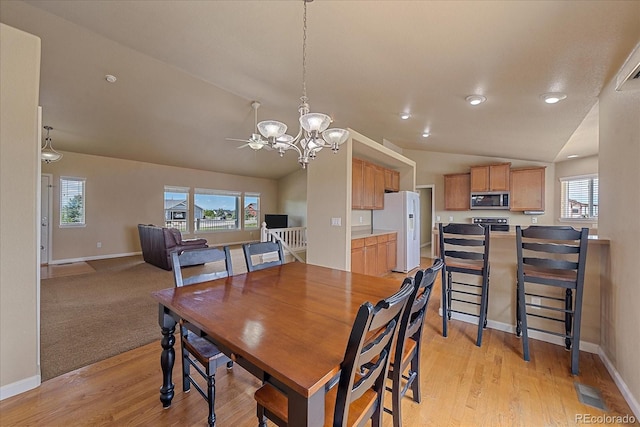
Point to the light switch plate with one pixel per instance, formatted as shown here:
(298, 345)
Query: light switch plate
(336, 222)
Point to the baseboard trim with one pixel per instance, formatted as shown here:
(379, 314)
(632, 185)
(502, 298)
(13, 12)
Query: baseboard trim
(18, 387)
(92, 258)
(540, 336)
(622, 386)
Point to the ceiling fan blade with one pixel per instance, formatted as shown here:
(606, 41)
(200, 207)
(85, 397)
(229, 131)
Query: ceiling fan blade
(235, 139)
(242, 146)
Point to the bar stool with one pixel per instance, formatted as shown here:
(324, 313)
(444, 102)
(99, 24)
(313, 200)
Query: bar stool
(464, 248)
(551, 257)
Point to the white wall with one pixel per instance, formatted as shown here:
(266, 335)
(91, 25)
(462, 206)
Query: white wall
(619, 185)
(19, 225)
(292, 198)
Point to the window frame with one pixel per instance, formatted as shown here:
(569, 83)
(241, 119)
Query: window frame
(224, 193)
(63, 200)
(593, 196)
(244, 213)
(169, 222)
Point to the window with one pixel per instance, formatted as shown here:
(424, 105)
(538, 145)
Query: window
(251, 210)
(176, 207)
(579, 197)
(216, 210)
(72, 203)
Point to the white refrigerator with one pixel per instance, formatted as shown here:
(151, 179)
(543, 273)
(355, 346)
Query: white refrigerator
(402, 213)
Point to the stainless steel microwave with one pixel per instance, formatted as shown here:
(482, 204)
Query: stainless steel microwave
(490, 200)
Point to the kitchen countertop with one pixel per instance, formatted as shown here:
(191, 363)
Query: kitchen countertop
(371, 233)
(593, 239)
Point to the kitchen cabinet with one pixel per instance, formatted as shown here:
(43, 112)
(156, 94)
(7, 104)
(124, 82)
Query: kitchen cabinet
(490, 177)
(527, 189)
(367, 190)
(457, 192)
(391, 180)
(357, 183)
(374, 255)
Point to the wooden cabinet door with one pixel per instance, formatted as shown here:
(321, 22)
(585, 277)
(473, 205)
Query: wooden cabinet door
(368, 188)
(480, 178)
(370, 256)
(357, 184)
(457, 192)
(527, 189)
(391, 180)
(381, 255)
(392, 251)
(357, 260)
(499, 177)
(378, 188)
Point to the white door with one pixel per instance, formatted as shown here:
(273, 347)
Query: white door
(46, 190)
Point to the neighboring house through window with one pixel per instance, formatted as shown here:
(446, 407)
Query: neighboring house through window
(251, 210)
(72, 202)
(176, 207)
(579, 197)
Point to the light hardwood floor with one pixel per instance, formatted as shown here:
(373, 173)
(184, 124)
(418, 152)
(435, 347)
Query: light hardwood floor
(462, 385)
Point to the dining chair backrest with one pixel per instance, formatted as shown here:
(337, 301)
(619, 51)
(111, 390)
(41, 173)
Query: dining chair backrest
(263, 250)
(210, 257)
(415, 314)
(366, 359)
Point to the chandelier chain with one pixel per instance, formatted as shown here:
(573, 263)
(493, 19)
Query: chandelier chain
(304, 53)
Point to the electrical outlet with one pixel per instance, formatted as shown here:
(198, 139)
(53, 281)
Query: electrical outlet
(534, 220)
(450, 218)
(99, 244)
(437, 218)
(361, 221)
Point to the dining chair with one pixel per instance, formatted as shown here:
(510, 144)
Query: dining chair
(357, 397)
(405, 363)
(268, 254)
(551, 266)
(198, 352)
(464, 248)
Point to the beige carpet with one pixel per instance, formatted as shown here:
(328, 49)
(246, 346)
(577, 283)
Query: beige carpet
(90, 317)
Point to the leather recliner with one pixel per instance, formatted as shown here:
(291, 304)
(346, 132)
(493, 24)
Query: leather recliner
(159, 242)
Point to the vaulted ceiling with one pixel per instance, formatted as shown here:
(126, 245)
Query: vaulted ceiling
(187, 72)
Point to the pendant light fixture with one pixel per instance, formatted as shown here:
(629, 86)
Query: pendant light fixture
(313, 134)
(47, 153)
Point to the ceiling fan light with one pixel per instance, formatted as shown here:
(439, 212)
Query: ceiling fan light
(256, 145)
(272, 128)
(315, 122)
(335, 136)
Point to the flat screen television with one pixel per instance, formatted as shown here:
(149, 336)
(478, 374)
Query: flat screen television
(276, 220)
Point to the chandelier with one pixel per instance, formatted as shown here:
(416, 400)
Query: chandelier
(47, 153)
(313, 134)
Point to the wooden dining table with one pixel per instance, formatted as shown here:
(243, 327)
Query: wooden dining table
(287, 325)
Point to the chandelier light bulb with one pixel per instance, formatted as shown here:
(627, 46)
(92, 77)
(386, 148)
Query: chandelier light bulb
(272, 129)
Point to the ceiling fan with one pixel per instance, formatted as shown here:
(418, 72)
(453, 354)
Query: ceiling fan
(256, 141)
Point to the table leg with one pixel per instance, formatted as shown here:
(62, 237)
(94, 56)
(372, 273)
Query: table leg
(306, 412)
(168, 356)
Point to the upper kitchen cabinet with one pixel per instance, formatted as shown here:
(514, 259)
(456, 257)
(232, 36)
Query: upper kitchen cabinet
(456, 192)
(527, 189)
(367, 185)
(391, 180)
(490, 177)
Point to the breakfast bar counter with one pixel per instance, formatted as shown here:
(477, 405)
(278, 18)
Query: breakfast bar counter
(502, 286)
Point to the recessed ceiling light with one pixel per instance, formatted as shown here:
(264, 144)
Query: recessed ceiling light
(110, 78)
(475, 99)
(572, 156)
(405, 116)
(426, 134)
(553, 97)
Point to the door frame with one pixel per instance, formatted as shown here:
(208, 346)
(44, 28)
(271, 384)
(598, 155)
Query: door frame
(49, 217)
(433, 208)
